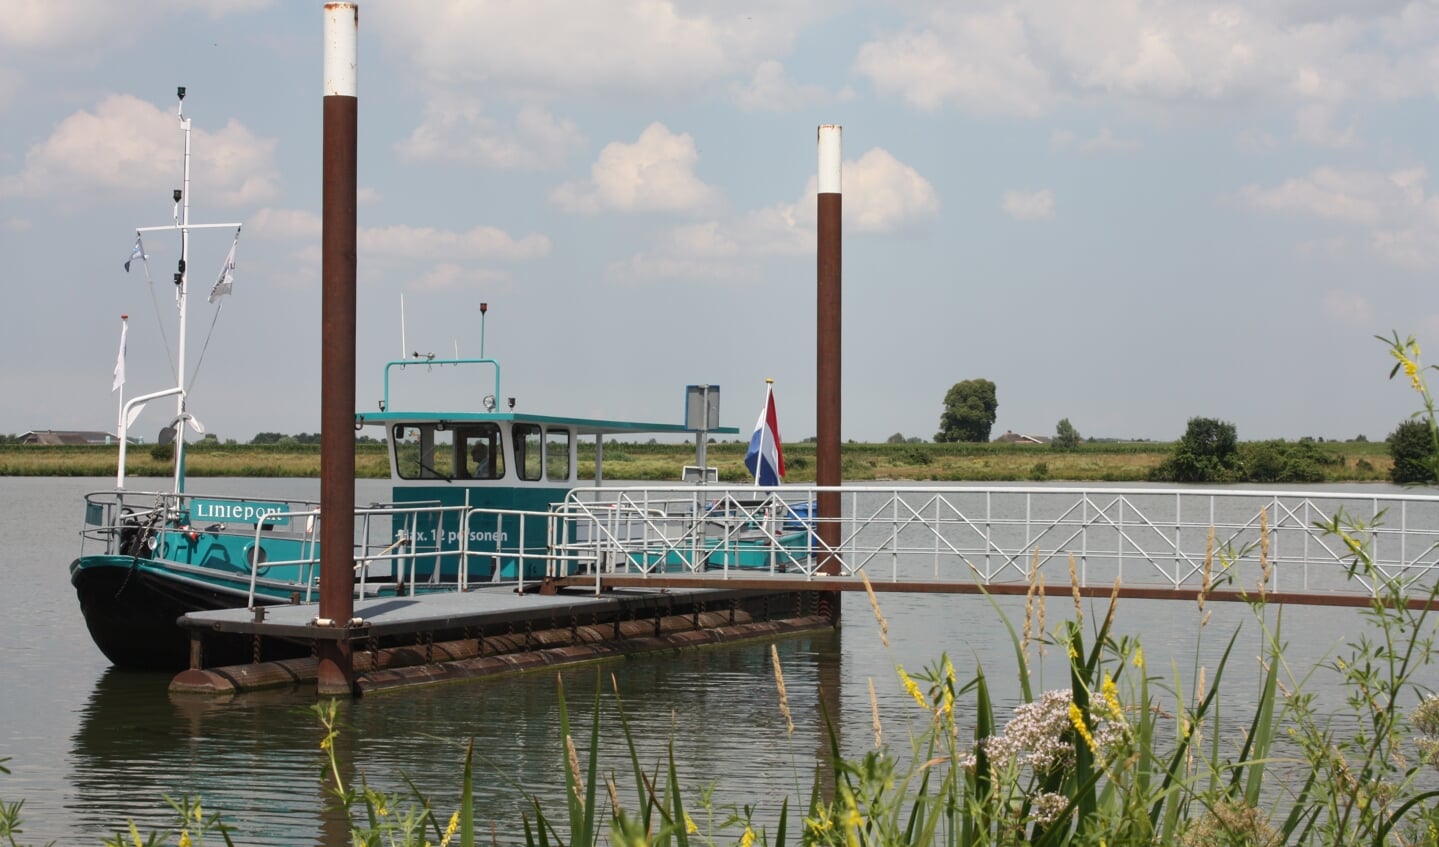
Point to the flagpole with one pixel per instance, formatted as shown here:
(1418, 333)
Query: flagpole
(120, 381)
(764, 428)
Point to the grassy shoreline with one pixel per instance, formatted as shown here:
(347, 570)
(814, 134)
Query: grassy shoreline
(1105, 462)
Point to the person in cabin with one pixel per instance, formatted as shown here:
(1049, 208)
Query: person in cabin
(481, 454)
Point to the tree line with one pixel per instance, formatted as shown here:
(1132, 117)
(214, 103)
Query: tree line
(1209, 450)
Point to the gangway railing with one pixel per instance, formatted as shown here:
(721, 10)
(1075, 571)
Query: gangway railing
(1255, 540)
(1146, 538)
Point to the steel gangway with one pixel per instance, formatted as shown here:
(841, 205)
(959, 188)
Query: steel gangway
(1174, 541)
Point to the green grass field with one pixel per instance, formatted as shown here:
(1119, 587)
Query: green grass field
(1109, 462)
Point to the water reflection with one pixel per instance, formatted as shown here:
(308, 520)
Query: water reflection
(256, 756)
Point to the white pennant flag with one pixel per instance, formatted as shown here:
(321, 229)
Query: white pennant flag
(137, 253)
(227, 274)
(120, 359)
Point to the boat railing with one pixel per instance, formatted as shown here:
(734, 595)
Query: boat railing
(115, 519)
(406, 539)
(1252, 540)
(668, 530)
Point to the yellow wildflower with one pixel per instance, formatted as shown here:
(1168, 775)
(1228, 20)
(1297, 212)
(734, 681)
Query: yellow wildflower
(1111, 696)
(690, 827)
(821, 824)
(185, 839)
(913, 688)
(451, 829)
(1076, 718)
(1408, 356)
(747, 840)
(1073, 653)
(1139, 657)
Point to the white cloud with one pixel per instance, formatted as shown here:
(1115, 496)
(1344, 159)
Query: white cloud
(654, 174)
(481, 242)
(770, 90)
(459, 131)
(1347, 196)
(1026, 57)
(128, 145)
(1314, 124)
(1103, 141)
(1029, 205)
(553, 48)
(881, 195)
(979, 62)
(405, 242)
(297, 224)
(448, 276)
(1348, 308)
(659, 266)
(88, 25)
(1394, 209)
(51, 24)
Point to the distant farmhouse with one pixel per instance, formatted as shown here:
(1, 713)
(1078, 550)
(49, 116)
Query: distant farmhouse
(1019, 438)
(69, 437)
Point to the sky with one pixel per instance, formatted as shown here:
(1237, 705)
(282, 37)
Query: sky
(1126, 213)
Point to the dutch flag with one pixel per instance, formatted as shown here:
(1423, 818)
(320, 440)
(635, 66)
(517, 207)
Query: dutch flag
(765, 457)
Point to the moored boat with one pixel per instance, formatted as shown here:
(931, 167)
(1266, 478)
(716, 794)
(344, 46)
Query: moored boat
(478, 498)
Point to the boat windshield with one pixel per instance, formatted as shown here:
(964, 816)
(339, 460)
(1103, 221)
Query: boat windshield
(444, 451)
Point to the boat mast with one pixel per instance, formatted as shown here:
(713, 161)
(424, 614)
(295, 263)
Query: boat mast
(182, 276)
(182, 198)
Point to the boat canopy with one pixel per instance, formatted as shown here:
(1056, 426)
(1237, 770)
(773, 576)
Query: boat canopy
(498, 447)
(388, 415)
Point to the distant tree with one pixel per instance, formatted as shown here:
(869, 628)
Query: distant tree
(1066, 437)
(1281, 461)
(267, 438)
(1411, 446)
(1361, 438)
(897, 438)
(970, 408)
(1208, 452)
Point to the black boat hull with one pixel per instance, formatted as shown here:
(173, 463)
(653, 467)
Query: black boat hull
(131, 613)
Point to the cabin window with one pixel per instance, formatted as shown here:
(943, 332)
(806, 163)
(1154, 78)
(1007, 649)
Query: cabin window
(528, 451)
(557, 455)
(425, 451)
(479, 451)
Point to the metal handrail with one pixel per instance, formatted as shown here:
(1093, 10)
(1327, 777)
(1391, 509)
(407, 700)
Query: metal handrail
(1142, 536)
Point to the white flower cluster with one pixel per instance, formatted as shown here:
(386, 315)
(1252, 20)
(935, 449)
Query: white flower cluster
(1033, 736)
(1046, 806)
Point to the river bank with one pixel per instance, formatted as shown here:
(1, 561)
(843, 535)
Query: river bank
(1102, 462)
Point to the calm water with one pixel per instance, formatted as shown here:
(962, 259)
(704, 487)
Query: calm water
(91, 748)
